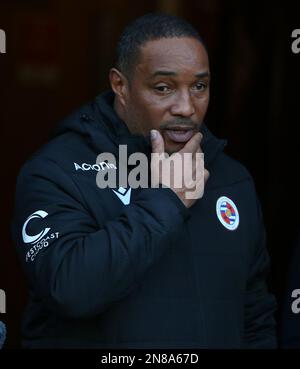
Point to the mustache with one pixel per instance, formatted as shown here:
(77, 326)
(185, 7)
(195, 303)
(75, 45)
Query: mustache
(184, 122)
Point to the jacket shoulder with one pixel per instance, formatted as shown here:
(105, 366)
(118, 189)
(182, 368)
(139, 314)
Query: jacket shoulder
(64, 149)
(228, 171)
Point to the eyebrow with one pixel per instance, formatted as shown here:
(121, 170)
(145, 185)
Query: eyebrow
(202, 75)
(172, 73)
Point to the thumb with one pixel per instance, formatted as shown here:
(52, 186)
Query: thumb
(157, 141)
(206, 175)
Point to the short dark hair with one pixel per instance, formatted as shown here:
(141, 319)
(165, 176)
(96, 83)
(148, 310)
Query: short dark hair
(152, 26)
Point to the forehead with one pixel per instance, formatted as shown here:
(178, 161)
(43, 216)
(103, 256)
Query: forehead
(178, 54)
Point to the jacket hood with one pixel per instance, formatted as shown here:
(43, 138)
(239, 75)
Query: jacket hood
(98, 123)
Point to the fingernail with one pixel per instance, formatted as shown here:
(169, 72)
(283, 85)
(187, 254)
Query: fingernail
(153, 134)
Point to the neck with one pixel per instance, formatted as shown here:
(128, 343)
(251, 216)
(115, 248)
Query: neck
(118, 109)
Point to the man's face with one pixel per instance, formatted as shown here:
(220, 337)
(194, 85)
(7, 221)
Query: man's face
(169, 90)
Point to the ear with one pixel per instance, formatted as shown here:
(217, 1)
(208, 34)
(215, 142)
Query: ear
(119, 84)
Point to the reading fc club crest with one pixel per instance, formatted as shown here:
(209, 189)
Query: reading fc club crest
(227, 213)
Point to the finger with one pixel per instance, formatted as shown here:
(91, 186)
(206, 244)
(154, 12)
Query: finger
(193, 144)
(198, 158)
(206, 175)
(198, 151)
(157, 141)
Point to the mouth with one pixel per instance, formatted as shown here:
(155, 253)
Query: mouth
(180, 134)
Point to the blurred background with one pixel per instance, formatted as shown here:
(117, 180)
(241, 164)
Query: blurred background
(58, 55)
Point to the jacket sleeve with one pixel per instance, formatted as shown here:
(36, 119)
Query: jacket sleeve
(78, 267)
(260, 305)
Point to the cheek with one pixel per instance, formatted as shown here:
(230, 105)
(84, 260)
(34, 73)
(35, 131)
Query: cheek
(152, 109)
(202, 105)
(143, 117)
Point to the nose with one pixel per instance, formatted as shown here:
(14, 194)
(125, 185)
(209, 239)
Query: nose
(183, 105)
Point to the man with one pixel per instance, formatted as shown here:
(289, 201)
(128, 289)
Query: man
(2, 334)
(143, 267)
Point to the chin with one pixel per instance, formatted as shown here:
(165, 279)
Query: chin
(173, 148)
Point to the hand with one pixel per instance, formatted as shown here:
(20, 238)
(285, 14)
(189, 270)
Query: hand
(183, 171)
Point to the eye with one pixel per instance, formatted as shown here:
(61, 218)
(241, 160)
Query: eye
(200, 86)
(162, 88)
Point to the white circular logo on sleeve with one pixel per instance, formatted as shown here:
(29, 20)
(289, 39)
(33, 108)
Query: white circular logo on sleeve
(40, 214)
(227, 213)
